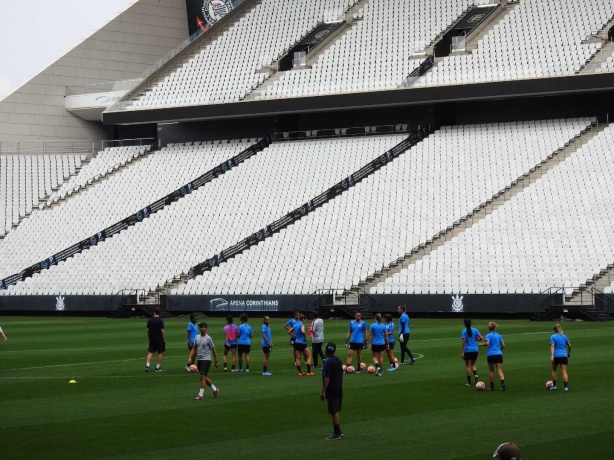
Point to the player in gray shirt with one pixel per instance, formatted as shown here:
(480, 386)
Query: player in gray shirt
(203, 350)
(317, 338)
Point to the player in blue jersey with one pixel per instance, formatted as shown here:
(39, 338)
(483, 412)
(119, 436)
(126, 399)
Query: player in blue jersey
(192, 332)
(300, 346)
(391, 342)
(357, 339)
(470, 337)
(560, 352)
(289, 327)
(244, 342)
(494, 355)
(379, 343)
(267, 344)
(332, 388)
(404, 335)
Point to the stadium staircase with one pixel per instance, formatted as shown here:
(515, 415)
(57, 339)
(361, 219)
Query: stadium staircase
(274, 74)
(44, 200)
(177, 58)
(588, 304)
(598, 58)
(141, 214)
(380, 161)
(479, 213)
(97, 178)
(480, 32)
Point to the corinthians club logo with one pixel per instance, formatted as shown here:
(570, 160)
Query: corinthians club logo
(59, 303)
(457, 303)
(214, 10)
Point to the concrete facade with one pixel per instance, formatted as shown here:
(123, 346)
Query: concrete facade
(122, 49)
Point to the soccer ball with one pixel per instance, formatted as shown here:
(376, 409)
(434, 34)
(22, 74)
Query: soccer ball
(344, 368)
(480, 386)
(549, 384)
(193, 368)
(363, 366)
(350, 369)
(371, 369)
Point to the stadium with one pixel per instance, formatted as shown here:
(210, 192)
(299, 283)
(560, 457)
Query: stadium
(222, 157)
(364, 154)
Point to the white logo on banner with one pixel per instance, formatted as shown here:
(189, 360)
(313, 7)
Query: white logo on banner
(218, 304)
(457, 303)
(475, 18)
(59, 303)
(214, 10)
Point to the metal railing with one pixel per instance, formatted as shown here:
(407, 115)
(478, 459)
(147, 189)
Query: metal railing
(50, 147)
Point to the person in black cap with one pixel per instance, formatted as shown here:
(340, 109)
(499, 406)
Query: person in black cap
(507, 451)
(332, 387)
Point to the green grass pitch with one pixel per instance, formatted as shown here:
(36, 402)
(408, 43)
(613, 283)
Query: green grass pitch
(118, 411)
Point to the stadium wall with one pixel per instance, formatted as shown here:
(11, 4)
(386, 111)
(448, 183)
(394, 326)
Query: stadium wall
(121, 50)
(525, 304)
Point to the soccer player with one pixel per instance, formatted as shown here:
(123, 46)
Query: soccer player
(267, 344)
(332, 388)
(469, 350)
(156, 336)
(192, 332)
(404, 335)
(379, 343)
(203, 349)
(357, 337)
(244, 342)
(289, 327)
(391, 341)
(560, 352)
(300, 346)
(317, 338)
(230, 343)
(3, 335)
(494, 355)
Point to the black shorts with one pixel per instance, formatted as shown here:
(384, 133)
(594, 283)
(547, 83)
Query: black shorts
(190, 346)
(266, 350)
(203, 366)
(244, 348)
(391, 345)
(357, 346)
(495, 359)
(157, 346)
(561, 360)
(378, 348)
(231, 346)
(334, 405)
(471, 356)
(300, 346)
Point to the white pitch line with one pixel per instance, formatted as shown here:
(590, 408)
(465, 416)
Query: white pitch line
(68, 365)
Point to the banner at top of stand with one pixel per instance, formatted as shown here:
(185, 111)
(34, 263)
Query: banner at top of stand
(202, 14)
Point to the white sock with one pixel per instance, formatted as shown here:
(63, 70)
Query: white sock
(146, 364)
(157, 366)
(201, 392)
(213, 387)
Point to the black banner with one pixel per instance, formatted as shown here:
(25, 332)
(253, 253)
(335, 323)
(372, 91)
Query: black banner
(319, 34)
(475, 17)
(202, 14)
